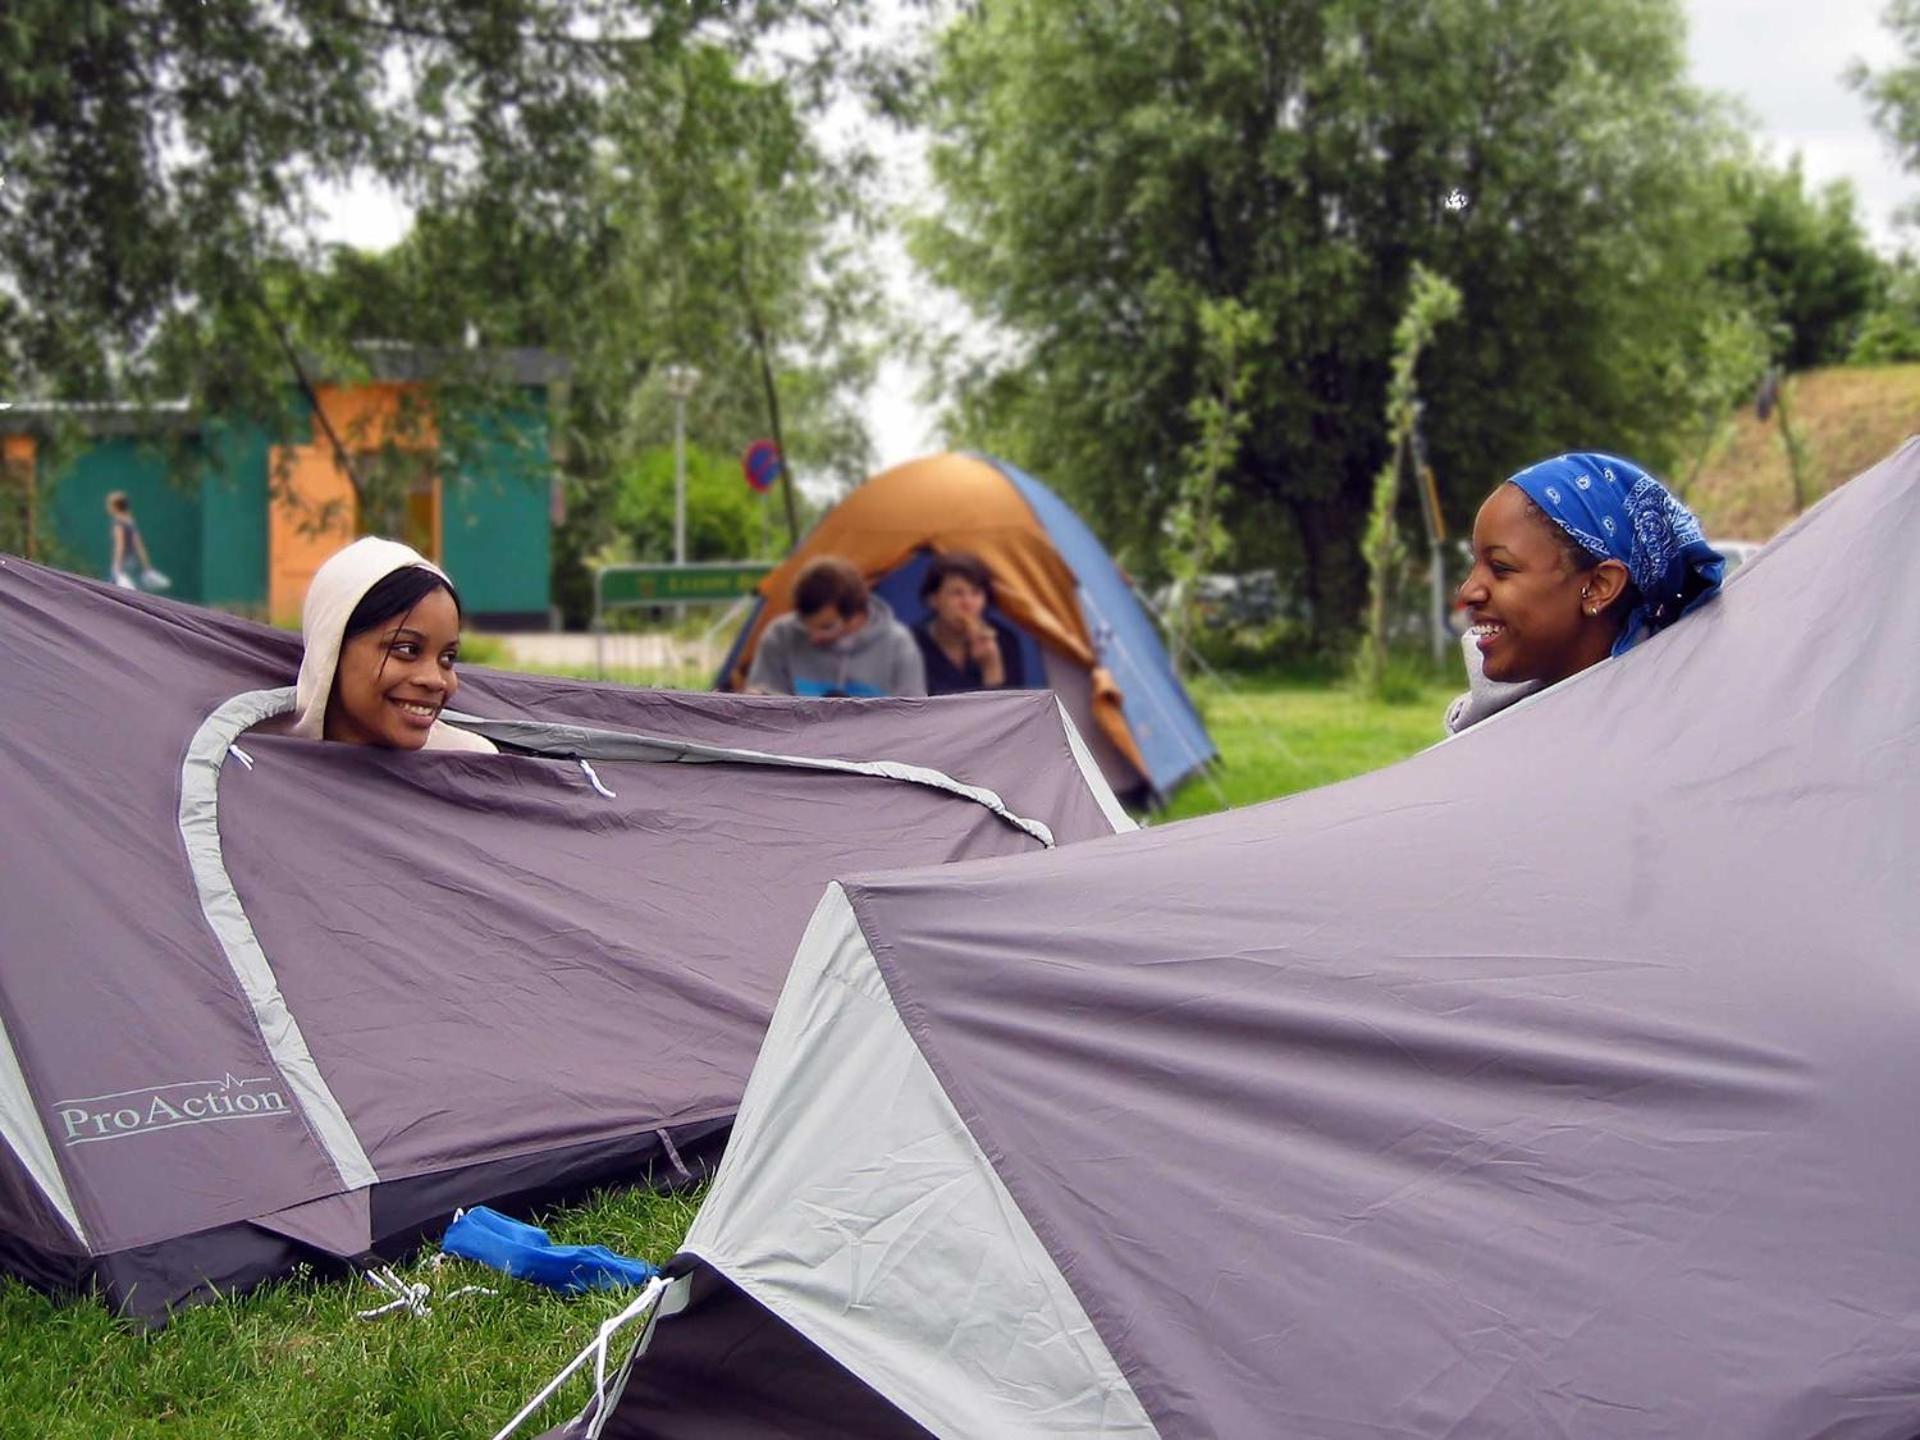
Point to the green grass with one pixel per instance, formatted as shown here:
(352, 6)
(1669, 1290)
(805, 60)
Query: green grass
(290, 1361)
(1281, 735)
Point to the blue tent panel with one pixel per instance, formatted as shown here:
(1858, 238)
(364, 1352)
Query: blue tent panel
(1165, 726)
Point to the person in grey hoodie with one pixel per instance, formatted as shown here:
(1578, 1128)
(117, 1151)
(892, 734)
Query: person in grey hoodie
(841, 640)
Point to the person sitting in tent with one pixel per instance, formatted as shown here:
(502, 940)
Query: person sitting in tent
(382, 627)
(962, 647)
(1575, 559)
(840, 640)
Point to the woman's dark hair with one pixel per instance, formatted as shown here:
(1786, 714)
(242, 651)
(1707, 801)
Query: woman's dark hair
(970, 568)
(397, 593)
(830, 581)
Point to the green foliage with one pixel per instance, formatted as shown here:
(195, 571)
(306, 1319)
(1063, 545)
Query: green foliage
(1805, 270)
(725, 249)
(1729, 362)
(709, 235)
(1196, 536)
(1893, 94)
(741, 250)
(162, 154)
(723, 515)
(484, 650)
(1283, 733)
(1890, 335)
(1432, 300)
(1106, 166)
(612, 182)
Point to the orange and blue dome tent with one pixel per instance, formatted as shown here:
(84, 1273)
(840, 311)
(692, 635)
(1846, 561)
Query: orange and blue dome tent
(1078, 620)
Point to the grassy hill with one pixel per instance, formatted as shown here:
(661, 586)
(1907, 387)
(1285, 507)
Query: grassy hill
(1851, 416)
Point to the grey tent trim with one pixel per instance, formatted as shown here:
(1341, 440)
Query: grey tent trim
(1090, 772)
(828, 1225)
(582, 742)
(200, 829)
(20, 1127)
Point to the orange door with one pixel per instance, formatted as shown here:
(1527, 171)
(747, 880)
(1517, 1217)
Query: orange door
(16, 503)
(313, 514)
(315, 509)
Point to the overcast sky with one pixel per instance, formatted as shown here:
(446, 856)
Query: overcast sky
(1782, 58)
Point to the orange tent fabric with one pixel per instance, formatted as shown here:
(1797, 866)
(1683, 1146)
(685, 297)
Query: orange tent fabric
(955, 502)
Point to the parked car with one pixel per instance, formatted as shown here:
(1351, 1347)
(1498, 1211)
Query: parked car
(1221, 600)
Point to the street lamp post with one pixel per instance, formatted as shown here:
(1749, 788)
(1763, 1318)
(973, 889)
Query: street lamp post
(680, 381)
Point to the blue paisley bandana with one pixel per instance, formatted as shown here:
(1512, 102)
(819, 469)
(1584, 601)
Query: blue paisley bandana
(1616, 511)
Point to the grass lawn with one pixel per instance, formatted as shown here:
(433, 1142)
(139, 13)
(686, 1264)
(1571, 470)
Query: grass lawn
(291, 1360)
(1279, 735)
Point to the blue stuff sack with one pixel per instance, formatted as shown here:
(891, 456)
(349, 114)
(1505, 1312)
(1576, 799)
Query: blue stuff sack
(527, 1253)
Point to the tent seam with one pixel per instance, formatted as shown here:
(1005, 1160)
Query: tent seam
(580, 741)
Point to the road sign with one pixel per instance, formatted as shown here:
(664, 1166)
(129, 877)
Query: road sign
(674, 584)
(761, 464)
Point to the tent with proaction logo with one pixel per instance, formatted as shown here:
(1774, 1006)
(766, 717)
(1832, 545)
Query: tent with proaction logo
(264, 999)
(1082, 631)
(1558, 1081)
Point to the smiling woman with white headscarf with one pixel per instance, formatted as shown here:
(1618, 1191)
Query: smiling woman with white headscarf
(382, 628)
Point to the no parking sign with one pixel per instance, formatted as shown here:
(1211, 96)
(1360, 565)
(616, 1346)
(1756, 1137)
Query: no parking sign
(761, 463)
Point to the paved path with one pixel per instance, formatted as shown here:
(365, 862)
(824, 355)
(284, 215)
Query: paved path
(620, 652)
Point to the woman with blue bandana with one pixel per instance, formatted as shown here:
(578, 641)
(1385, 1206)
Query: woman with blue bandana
(1575, 559)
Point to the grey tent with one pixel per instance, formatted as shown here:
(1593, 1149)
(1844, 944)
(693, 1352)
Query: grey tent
(263, 999)
(1559, 1081)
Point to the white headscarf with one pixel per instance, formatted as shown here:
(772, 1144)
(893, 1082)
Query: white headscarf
(338, 586)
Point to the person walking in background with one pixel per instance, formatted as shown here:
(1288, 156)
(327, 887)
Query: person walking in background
(129, 564)
(964, 649)
(840, 640)
(1575, 559)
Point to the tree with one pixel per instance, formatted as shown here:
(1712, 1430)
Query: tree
(1805, 266)
(723, 515)
(736, 219)
(1108, 167)
(714, 232)
(1196, 537)
(1890, 335)
(578, 169)
(1731, 358)
(1432, 300)
(160, 158)
(1893, 94)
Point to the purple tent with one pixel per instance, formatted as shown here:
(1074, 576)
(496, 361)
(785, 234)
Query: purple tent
(1559, 1081)
(262, 998)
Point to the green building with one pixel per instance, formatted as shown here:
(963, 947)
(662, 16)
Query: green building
(239, 518)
